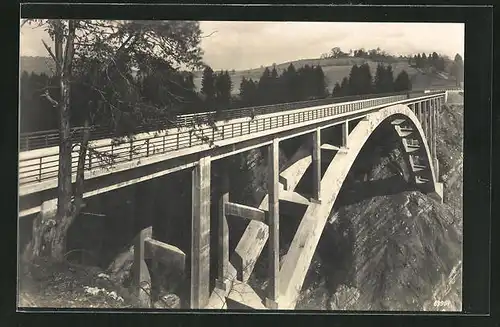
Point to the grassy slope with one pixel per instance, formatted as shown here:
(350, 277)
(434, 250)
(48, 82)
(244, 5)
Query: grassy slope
(335, 70)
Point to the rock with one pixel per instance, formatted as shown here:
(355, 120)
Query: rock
(169, 301)
(344, 298)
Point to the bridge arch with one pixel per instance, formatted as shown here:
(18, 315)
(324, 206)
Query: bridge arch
(298, 258)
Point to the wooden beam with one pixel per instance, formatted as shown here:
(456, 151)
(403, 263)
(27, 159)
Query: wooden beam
(243, 211)
(165, 253)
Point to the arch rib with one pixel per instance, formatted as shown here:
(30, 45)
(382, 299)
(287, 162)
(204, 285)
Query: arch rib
(303, 246)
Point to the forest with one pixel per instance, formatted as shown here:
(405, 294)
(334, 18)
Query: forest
(175, 90)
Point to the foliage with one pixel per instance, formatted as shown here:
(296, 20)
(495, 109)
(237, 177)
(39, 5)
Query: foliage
(121, 74)
(402, 82)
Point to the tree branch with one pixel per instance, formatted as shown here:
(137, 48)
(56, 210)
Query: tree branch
(46, 95)
(49, 50)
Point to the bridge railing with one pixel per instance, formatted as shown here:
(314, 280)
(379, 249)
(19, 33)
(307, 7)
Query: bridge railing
(42, 167)
(41, 139)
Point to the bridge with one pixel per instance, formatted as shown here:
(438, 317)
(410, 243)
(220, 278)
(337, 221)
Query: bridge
(197, 140)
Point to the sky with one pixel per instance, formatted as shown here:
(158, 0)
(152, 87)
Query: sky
(246, 45)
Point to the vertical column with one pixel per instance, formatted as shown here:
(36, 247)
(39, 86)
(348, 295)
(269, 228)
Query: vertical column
(142, 278)
(316, 166)
(422, 118)
(440, 106)
(427, 112)
(435, 134)
(345, 134)
(418, 111)
(431, 126)
(273, 222)
(200, 234)
(223, 240)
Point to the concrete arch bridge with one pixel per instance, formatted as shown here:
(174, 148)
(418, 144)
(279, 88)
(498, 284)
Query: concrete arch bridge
(413, 117)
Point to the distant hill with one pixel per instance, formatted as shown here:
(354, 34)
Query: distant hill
(36, 65)
(335, 70)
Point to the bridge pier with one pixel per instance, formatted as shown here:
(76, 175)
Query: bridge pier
(223, 240)
(200, 234)
(316, 165)
(273, 222)
(431, 129)
(345, 134)
(419, 111)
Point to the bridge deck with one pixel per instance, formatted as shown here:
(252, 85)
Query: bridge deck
(38, 168)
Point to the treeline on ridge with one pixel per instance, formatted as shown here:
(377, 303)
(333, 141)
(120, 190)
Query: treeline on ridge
(175, 92)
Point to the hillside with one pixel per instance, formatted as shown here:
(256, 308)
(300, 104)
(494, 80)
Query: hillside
(36, 65)
(335, 70)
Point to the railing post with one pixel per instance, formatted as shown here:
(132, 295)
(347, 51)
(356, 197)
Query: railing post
(46, 140)
(27, 142)
(40, 171)
(164, 142)
(147, 147)
(131, 149)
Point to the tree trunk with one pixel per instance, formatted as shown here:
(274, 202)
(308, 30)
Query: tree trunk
(49, 233)
(64, 216)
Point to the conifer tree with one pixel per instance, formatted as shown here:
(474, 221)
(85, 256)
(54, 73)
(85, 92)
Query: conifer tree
(208, 85)
(337, 90)
(320, 82)
(402, 82)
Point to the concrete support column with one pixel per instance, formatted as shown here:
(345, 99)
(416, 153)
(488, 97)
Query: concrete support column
(419, 111)
(316, 165)
(200, 234)
(223, 240)
(273, 222)
(440, 106)
(431, 127)
(428, 121)
(423, 121)
(345, 134)
(435, 135)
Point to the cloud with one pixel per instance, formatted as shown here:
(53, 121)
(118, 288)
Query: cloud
(244, 45)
